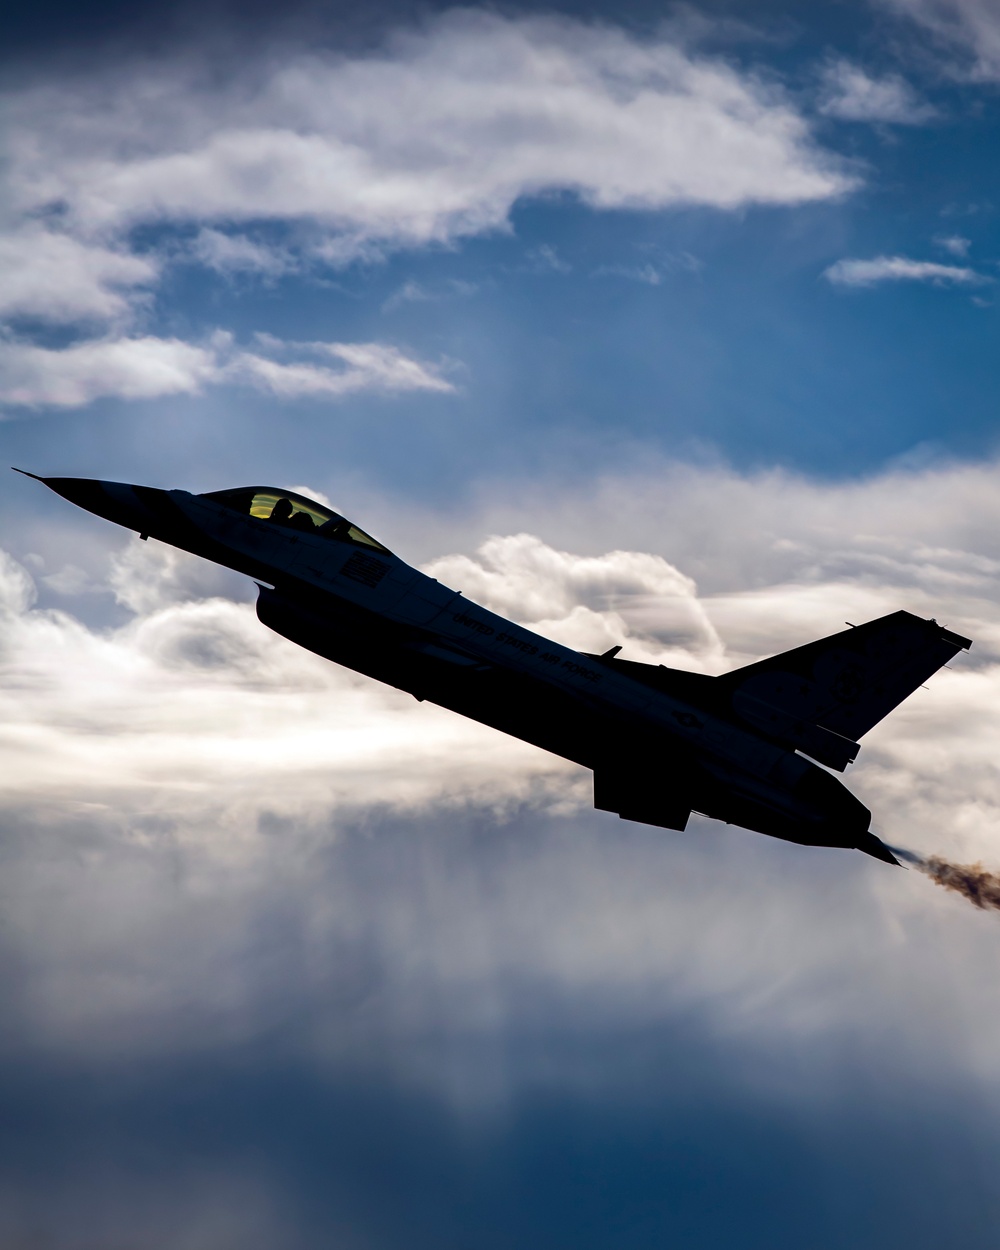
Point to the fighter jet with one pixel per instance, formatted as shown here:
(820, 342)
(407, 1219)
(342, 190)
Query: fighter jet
(745, 747)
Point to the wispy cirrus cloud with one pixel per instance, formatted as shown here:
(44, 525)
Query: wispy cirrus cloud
(849, 93)
(145, 367)
(413, 292)
(233, 253)
(879, 269)
(955, 244)
(968, 30)
(647, 273)
(378, 367)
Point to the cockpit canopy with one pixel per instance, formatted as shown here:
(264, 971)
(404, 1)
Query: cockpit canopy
(295, 512)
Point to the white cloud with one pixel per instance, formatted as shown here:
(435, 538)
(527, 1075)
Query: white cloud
(955, 244)
(238, 253)
(545, 259)
(51, 275)
(849, 93)
(433, 137)
(413, 292)
(147, 367)
(646, 273)
(970, 27)
(851, 272)
(935, 530)
(364, 367)
(70, 580)
(587, 602)
(160, 697)
(127, 368)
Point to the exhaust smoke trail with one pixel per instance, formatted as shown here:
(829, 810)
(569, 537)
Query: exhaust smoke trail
(972, 881)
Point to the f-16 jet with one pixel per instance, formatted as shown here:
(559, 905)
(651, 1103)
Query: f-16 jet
(745, 747)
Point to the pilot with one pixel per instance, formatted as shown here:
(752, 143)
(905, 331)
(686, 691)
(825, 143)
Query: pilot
(281, 512)
(302, 521)
(336, 527)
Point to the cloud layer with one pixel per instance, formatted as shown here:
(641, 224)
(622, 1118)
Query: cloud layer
(431, 138)
(193, 719)
(434, 136)
(240, 880)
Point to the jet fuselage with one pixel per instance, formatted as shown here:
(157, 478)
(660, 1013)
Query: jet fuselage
(661, 742)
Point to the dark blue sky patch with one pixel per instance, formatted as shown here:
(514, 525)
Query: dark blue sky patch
(696, 1161)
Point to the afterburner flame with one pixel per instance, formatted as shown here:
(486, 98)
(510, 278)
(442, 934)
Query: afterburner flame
(972, 881)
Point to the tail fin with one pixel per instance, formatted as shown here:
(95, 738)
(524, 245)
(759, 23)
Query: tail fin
(825, 695)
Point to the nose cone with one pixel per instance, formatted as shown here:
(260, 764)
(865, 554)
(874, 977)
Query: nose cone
(85, 492)
(115, 501)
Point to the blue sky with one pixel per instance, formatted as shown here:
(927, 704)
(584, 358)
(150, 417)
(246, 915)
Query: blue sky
(667, 328)
(691, 314)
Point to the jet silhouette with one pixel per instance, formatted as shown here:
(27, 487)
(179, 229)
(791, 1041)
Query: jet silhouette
(662, 743)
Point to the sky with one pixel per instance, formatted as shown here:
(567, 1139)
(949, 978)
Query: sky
(668, 327)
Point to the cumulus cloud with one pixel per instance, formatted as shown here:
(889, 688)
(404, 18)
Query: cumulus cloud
(850, 93)
(194, 702)
(590, 603)
(146, 367)
(855, 272)
(164, 692)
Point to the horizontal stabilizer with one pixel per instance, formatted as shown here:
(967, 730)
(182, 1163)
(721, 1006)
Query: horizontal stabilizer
(841, 685)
